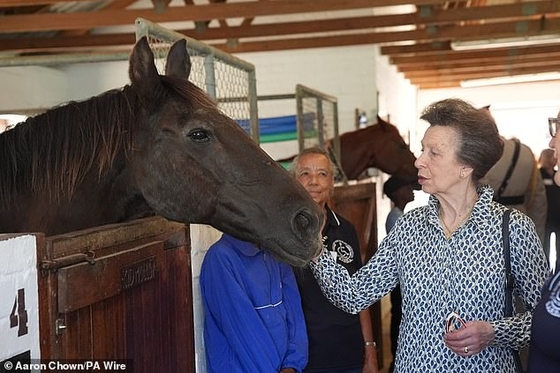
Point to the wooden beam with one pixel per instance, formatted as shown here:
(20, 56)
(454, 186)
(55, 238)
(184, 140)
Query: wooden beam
(485, 74)
(446, 57)
(65, 43)
(435, 15)
(439, 44)
(297, 43)
(13, 3)
(439, 85)
(427, 15)
(479, 63)
(80, 20)
(501, 67)
(426, 48)
(116, 4)
(372, 3)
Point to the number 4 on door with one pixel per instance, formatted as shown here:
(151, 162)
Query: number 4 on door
(19, 318)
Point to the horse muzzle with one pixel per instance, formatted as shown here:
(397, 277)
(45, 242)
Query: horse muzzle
(306, 223)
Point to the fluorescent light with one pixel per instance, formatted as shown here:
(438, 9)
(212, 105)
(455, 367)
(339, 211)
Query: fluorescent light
(510, 80)
(521, 41)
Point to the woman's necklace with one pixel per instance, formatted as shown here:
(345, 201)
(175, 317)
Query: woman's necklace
(448, 231)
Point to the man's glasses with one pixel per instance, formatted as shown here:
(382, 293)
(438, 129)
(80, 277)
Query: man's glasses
(454, 322)
(553, 126)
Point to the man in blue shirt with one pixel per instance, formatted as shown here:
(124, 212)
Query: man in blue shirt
(253, 316)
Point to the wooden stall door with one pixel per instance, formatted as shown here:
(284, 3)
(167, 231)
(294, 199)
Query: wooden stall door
(119, 292)
(357, 203)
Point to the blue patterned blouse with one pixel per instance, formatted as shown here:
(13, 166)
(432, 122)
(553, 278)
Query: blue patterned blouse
(464, 273)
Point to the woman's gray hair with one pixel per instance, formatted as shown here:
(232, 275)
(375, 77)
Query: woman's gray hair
(480, 145)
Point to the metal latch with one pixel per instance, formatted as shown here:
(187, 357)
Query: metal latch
(65, 261)
(59, 326)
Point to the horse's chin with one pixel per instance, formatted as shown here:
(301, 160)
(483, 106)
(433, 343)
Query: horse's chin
(294, 261)
(291, 256)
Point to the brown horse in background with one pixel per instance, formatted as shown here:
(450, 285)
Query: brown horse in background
(376, 146)
(380, 146)
(156, 146)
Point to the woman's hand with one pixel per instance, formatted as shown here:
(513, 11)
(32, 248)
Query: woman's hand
(320, 249)
(370, 360)
(474, 337)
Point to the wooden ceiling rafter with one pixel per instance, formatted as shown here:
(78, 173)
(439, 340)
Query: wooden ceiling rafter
(118, 4)
(509, 28)
(423, 52)
(107, 18)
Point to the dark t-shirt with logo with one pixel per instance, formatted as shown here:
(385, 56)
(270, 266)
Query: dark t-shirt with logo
(335, 337)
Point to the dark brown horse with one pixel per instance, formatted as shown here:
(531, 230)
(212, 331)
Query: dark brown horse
(380, 146)
(156, 146)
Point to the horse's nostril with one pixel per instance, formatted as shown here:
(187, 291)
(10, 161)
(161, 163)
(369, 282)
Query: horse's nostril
(302, 220)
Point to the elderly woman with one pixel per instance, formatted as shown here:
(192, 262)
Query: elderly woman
(448, 257)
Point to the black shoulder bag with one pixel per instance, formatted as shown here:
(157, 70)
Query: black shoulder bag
(510, 279)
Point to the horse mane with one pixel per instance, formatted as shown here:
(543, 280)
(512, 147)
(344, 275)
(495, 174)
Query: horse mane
(51, 153)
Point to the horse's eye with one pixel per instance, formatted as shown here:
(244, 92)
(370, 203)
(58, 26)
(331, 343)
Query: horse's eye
(199, 135)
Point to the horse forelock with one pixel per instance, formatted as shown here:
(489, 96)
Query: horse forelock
(193, 96)
(50, 154)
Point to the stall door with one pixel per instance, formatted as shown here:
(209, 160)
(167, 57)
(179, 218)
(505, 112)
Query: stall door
(121, 292)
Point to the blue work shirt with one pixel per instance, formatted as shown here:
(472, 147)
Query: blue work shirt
(253, 316)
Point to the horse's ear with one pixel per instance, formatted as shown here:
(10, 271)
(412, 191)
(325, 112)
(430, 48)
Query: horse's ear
(142, 69)
(178, 60)
(380, 121)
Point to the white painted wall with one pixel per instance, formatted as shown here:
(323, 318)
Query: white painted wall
(347, 73)
(32, 87)
(36, 88)
(520, 110)
(202, 236)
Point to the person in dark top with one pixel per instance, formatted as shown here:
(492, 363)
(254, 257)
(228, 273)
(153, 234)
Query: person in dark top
(338, 341)
(544, 349)
(546, 166)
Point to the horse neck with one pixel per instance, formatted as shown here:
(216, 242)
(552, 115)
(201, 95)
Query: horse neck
(356, 159)
(54, 151)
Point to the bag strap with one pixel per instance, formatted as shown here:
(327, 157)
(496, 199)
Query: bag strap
(505, 183)
(510, 280)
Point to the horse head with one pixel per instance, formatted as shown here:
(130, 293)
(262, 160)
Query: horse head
(198, 166)
(380, 146)
(157, 146)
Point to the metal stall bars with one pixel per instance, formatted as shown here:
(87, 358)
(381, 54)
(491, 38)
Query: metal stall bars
(317, 119)
(227, 79)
